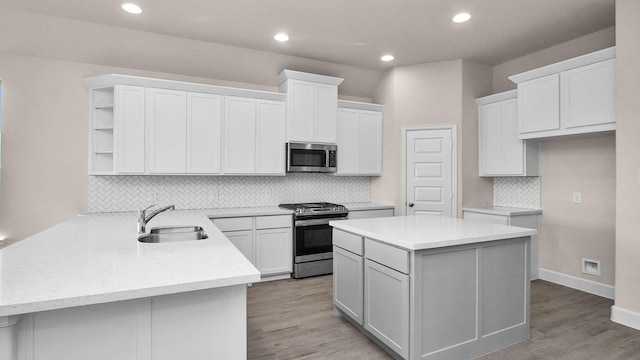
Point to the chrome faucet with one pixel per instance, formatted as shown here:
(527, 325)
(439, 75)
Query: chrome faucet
(143, 218)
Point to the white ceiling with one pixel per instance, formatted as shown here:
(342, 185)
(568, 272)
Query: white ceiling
(354, 32)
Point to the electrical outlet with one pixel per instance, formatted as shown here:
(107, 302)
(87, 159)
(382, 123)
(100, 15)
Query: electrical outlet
(152, 197)
(591, 267)
(214, 196)
(576, 197)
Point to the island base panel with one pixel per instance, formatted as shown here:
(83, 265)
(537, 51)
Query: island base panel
(201, 324)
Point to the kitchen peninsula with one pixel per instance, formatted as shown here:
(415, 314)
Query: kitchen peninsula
(431, 287)
(88, 289)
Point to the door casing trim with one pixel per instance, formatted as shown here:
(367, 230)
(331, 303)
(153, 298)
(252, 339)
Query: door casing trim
(454, 164)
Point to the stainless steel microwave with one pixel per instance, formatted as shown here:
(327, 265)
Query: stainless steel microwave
(308, 157)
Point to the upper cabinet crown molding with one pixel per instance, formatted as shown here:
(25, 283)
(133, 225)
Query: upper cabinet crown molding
(597, 56)
(315, 78)
(118, 79)
(344, 104)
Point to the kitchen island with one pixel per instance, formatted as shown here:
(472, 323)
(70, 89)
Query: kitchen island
(431, 287)
(87, 289)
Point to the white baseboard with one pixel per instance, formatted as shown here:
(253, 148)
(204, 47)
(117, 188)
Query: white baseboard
(625, 317)
(591, 287)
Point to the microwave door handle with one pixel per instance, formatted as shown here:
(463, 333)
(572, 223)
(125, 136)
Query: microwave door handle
(327, 159)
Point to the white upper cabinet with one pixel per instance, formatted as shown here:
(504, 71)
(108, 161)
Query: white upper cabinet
(239, 135)
(204, 120)
(153, 126)
(254, 136)
(270, 137)
(183, 132)
(501, 152)
(116, 132)
(575, 96)
(359, 139)
(312, 106)
(166, 124)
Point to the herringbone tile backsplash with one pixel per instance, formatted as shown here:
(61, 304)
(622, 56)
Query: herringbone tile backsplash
(523, 192)
(129, 193)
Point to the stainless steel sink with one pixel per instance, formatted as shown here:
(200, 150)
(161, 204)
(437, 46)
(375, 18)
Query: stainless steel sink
(173, 233)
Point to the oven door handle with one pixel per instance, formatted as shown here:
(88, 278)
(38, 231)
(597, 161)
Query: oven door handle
(312, 222)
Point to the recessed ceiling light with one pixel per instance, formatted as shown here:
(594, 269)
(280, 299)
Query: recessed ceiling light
(387, 58)
(281, 37)
(132, 8)
(462, 17)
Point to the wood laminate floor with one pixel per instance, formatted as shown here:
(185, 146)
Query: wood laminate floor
(292, 319)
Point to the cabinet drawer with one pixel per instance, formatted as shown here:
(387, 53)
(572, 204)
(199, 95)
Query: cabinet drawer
(348, 241)
(272, 222)
(387, 255)
(493, 219)
(367, 214)
(233, 224)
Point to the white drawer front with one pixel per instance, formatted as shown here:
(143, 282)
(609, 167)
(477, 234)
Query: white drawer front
(272, 222)
(233, 224)
(387, 255)
(493, 219)
(348, 241)
(367, 214)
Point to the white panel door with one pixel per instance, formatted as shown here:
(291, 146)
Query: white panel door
(166, 120)
(512, 149)
(348, 141)
(204, 120)
(490, 139)
(300, 110)
(430, 172)
(370, 143)
(348, 283)
(589, 94)
(270, 137)
(274, 251)
(386, 306)
(326, 113)
(243, 241)
(240, 135)
(539, 104)
(129, 127)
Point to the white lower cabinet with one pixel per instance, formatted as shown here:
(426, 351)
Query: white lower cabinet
(348, 283)
(243, 240)
(266, 241)
(273, 251)
(386, 306)
(371, 286)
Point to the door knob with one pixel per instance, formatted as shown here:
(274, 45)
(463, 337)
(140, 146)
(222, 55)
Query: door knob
(410, 204)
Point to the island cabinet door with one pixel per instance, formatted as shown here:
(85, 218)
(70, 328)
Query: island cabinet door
(348, 283)
(386, 306)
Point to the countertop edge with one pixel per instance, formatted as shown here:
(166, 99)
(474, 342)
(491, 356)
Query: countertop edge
(432, 245)
(94, 299)
(503, 210)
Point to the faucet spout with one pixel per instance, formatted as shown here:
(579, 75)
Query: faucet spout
(144, 218)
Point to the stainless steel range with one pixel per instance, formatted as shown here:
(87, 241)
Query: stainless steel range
(312, 245)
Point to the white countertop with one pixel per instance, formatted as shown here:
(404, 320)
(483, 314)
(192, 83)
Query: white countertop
(367, 206)
(97, 258)
(429, 231)
(501, 210)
